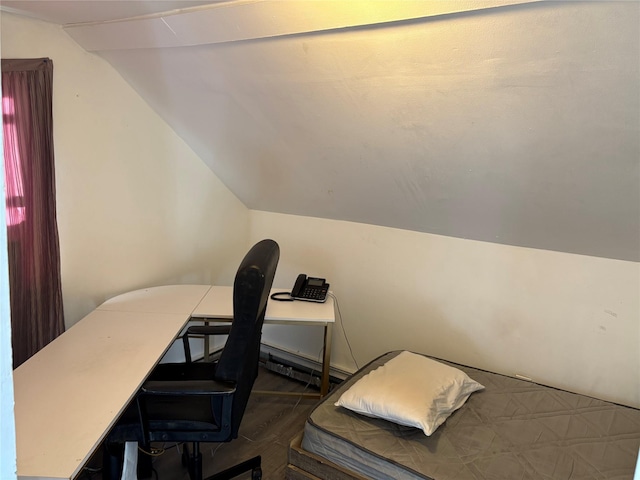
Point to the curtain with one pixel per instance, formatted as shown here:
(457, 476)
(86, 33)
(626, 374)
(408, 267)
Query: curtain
(32, 234)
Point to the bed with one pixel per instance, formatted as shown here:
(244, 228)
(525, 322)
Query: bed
(511, 429)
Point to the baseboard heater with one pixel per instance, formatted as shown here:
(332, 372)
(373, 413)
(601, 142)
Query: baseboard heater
(289, 367)
(295, 371)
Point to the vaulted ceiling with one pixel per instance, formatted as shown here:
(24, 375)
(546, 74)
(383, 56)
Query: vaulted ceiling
(513, 122)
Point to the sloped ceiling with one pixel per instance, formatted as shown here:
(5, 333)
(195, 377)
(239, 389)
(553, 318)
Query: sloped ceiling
(509, 121)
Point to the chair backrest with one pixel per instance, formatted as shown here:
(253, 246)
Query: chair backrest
(239, 359)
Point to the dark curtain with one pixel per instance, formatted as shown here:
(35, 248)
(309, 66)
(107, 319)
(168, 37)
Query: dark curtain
(32, 233)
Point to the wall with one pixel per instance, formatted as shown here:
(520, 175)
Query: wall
(565, 320)
(517, 124)
(136, 206)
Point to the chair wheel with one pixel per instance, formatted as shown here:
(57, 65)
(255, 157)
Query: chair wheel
(256, 473)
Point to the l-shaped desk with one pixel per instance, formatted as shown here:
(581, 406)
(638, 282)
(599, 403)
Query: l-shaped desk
(70, 394)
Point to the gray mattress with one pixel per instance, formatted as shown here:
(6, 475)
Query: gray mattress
(513, 429)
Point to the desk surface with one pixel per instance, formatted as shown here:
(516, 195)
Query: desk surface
(218, 303)
(70, 394)
(181, 299)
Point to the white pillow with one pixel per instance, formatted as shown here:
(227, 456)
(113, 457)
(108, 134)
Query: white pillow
(411, 390)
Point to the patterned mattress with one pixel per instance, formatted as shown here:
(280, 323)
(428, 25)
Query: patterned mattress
(513, 429)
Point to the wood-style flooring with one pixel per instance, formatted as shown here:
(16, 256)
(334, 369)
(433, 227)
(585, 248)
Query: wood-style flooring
(268, 425)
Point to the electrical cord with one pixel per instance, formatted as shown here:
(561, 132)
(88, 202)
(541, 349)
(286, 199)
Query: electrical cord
(344, 331)
(310, 380)
(215, 450)
(277, 296)
(89, 473)
(153, 452)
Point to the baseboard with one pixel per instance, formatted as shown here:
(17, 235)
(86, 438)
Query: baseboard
(297, 366)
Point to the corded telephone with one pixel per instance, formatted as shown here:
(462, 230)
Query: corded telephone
(310, 289)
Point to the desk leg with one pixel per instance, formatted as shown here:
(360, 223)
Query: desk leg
(326, 360)
(206, 344)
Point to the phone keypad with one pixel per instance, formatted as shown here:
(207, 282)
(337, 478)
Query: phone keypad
(314, 294)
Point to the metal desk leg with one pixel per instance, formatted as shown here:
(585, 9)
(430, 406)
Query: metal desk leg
(206, 344)
(326, 360)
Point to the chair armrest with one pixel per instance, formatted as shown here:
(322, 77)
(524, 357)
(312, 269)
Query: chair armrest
(188, 387)
(209, 330)
(202, 330)
(159, 401)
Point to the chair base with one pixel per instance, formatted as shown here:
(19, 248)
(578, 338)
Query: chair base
(193, 462)
(253, 465)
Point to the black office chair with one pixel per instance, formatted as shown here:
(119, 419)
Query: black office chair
(204, 401)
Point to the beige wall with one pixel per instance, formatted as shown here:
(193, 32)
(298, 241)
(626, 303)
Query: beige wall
(516, 125)
(136, 206)
(566, 320)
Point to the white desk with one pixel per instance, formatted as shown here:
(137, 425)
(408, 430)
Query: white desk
(180, 299)
(217, 305)
(70, 394)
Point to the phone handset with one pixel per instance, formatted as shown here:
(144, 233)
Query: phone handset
(298, 286)
(310, 289)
